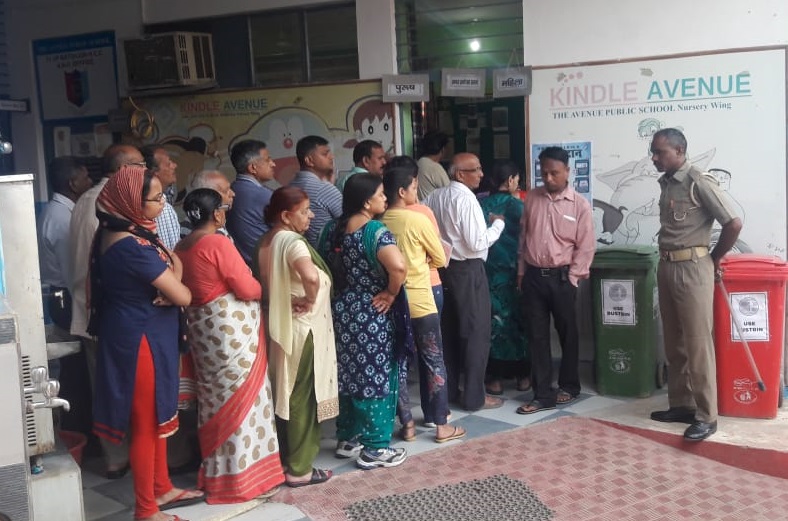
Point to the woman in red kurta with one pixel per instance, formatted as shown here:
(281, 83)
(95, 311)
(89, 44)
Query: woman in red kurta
(236, 417)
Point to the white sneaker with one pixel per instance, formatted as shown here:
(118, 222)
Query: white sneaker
(348, 449)
(388, 457)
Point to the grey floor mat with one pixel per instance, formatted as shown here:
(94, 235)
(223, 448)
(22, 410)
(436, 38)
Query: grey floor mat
(497, 498)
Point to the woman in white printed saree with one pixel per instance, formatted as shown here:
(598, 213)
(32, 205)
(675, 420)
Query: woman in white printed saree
(236, 417)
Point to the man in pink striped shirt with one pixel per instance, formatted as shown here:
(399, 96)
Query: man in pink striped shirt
(557, 245)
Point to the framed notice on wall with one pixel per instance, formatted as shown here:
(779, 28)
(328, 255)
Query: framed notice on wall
(76, 75)
(731, 107)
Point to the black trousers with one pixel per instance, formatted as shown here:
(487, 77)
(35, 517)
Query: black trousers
(548, 293)
(465, 325)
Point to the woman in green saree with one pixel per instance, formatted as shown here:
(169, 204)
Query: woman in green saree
(508, 355)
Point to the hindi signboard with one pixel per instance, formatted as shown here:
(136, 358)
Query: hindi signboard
(467, 83)
(406, 87)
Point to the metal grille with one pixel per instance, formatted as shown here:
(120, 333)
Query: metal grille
(30, 419)
(14, 495)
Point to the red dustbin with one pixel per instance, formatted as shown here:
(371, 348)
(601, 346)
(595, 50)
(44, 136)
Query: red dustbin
(756, 290)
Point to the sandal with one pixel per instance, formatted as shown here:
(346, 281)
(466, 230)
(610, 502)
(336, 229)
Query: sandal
(408, 432)
(563, 397)
(183, 499)
(456, 434)
(534, 406)
(318, 476)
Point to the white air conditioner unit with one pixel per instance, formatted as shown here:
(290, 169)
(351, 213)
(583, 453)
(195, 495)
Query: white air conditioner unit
(163, 60)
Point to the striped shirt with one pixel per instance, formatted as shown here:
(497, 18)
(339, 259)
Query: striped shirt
(325, 201)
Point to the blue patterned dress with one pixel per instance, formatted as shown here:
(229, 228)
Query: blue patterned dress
(367, 367)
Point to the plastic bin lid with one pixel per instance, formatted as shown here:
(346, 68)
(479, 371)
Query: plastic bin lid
(751, 263)
(635, 249)
(623, 257)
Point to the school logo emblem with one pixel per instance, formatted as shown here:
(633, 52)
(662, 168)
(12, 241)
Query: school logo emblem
(749, 306)
(77, 87)
(617, 292)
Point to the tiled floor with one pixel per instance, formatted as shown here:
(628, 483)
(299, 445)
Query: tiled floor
(582, 469)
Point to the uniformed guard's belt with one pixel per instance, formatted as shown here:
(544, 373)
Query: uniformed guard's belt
(695, 252)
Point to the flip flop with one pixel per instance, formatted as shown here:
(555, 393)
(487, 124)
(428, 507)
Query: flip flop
(318, 476)
(533, 407)
(458, 433)
(523, 388)
(181, 500)
(563, 398)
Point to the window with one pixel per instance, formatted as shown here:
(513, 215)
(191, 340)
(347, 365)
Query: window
(304, 46)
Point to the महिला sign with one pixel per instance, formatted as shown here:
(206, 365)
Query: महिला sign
(618, 302)
(752, 310)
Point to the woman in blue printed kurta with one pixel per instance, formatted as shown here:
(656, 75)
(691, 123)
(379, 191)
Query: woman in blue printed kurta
(369, 272)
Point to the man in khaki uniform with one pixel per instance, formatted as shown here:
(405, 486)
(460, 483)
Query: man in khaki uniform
(689, 204)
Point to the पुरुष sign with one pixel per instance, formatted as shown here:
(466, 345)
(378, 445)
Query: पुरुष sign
(406, 87)
(618, 302)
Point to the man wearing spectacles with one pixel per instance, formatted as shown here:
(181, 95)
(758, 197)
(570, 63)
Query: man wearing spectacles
(465, 321)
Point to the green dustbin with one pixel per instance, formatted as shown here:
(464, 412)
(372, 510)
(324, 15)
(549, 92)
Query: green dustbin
(626, 321)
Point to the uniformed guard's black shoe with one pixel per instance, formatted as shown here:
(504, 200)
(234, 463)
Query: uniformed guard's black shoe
(699, 431)
(675, 414)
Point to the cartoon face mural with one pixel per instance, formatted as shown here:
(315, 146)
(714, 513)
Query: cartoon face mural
(372, 119)
(280, 130)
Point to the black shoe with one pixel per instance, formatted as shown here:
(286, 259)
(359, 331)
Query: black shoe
(675, 414)
(118, 473)
(699, 431)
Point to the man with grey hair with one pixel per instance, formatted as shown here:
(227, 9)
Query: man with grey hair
(215, 180)
(465, 322)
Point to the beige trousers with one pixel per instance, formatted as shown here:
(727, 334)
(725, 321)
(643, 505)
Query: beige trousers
(686, 296)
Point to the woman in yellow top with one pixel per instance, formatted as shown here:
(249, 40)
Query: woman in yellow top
(422, 249)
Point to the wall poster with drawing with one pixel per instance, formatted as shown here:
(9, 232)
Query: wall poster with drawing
(730, 106)
(200, 129)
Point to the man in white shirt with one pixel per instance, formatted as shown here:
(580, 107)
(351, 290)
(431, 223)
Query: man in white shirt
(465, 322)
(69, 179)
(83, 227)
(158, 161)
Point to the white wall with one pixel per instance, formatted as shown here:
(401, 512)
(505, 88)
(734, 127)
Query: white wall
(572, 31)
(377, 43)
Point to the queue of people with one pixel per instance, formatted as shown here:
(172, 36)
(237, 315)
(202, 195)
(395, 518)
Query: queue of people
(293, 306)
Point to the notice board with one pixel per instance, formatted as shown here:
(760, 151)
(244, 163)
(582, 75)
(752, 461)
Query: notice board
(731, 106)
